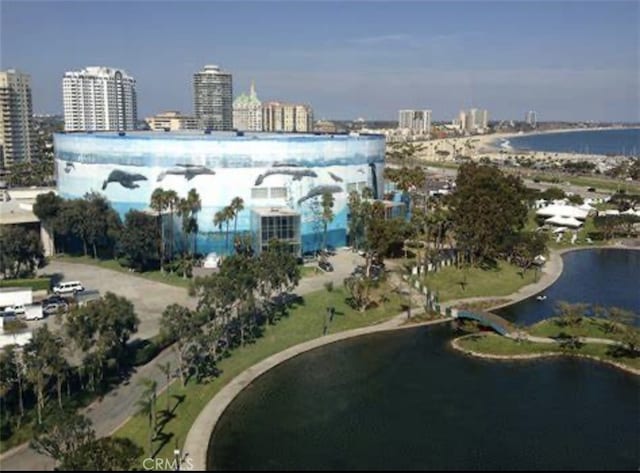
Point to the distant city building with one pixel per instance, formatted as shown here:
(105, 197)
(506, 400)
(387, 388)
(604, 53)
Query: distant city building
(172, 121)
(213, 98)
(325, 126)
(17, 136)
(473, 120)
(247, 111)
(287, 117)
(99, 99)
(415, 121)
(530, 118)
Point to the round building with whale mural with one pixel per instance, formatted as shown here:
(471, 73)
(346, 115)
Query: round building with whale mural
(280, 177)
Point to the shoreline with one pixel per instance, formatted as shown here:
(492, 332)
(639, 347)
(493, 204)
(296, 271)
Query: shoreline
(196, 444)
(533, 356)
(489, 146)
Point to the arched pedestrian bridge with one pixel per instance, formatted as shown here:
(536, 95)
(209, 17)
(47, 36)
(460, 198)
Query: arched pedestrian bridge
(493, 321)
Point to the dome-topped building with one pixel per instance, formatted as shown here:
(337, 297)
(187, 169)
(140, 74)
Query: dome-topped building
(247, 111)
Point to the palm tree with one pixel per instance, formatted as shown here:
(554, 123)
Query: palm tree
(165, 368)
(195, 205)
(146, 408)
(327, 214)
(219, 219)
(148, 404)
(172, 203)
(237, 206)
(159, 204)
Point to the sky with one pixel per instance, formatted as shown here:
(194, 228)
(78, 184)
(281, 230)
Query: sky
(567, 60)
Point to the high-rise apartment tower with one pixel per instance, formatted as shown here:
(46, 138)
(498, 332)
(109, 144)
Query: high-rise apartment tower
(213, 98)
(17, 136)
(99, 99)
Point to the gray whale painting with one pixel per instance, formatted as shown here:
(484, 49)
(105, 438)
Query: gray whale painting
(297, 174)
(189, 171)
(125, 179)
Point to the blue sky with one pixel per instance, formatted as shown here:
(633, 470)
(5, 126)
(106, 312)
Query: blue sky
(576, 60)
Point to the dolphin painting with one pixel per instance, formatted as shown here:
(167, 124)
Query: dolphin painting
(334, 177)
(69, 166)
(297, 174)
(124, 179)
(319, 190)
(189, 171)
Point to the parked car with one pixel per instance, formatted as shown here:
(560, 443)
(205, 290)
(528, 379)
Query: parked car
(591, 189)
(54, 308)
(54, 298)
(325, 266)
(18, 309)
(68, 287)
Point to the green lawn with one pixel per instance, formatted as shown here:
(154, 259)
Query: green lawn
(37, 284)
(173, 279)
(454, 283)
(304, 323)
(309, 271)
(587, 327)
(494, 344)
(589, 181)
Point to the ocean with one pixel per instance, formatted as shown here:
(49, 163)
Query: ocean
(608, 142)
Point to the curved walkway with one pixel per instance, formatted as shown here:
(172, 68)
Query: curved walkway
(197, 442)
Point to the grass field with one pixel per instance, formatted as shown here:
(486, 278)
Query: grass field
(453, 283)
(309, 271)
(167, 278)
(493, 344)
(587, 327)
(305, 322)
(37, 284)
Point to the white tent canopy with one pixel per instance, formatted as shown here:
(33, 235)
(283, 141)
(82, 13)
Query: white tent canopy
(564, 222)
(566, 211)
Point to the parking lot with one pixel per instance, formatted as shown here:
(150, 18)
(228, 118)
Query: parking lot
(148, 297)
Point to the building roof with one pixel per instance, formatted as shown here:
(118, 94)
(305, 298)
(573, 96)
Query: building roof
(564, 221)
(13, 212)
(562, 211)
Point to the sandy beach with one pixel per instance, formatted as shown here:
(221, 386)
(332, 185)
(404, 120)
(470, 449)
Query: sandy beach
(480, 146)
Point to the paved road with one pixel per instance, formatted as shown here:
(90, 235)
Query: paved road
(117, 406)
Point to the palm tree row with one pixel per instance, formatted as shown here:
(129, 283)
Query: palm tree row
(226, 215)
(168, 201)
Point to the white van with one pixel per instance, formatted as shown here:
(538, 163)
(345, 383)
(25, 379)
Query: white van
(68, 287)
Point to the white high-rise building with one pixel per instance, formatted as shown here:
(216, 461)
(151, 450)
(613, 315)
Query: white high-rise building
(416, 121)
(17, 136)
(213, 98)
(530, 118)
(247, 111)
(474, 120)
(99, 99)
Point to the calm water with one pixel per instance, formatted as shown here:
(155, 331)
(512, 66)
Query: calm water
(405, 400)
(626, 142)
(605, 277)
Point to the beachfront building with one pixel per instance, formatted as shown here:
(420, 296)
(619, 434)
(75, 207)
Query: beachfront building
(473, 120)
(415, 122)
(171, 121)
(213, 98)
(17, 136)
(247, 111)
(530, 118)
(99, 99)
(287, 117)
